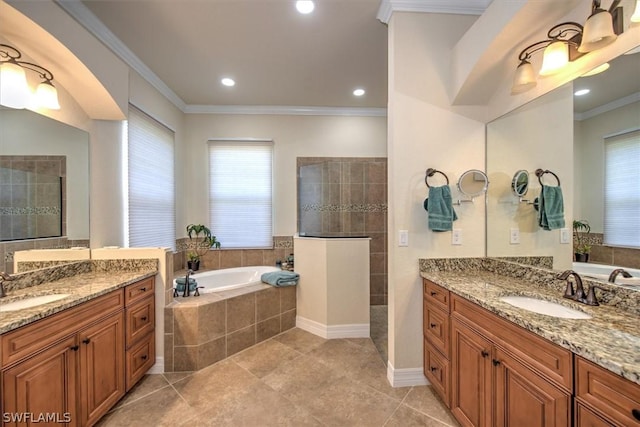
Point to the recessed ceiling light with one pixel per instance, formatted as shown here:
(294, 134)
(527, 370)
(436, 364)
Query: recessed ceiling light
(582, 92)
(305, 6)
(228, 82)
(359, 92)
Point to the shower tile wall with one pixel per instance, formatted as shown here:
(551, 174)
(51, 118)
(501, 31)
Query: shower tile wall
(347, 196)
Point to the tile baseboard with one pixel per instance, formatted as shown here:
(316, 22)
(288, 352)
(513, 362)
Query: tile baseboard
(406, 377)
(357, 330)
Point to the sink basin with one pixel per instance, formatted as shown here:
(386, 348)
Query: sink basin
(547, 308)
(31, 302)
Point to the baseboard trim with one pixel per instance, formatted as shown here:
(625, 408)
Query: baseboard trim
(356, 330)
(406, 377)
(158, 368)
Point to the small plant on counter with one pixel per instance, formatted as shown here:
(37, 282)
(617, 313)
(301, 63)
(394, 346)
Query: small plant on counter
(581, 230)
(201, 241)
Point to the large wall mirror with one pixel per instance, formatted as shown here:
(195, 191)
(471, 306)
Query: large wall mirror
(44, 184)
(563, 133)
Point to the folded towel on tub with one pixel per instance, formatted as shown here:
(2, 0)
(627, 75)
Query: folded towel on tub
(551, 209)
(180, 284)
(280, 278)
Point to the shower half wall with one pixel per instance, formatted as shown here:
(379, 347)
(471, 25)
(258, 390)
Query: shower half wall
(347, 197)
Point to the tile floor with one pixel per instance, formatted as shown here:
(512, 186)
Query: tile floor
(293, 379)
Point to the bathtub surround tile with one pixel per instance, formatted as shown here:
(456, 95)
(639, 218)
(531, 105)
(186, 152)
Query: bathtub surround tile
(288, 320)
(211, 352)
(168, 321)
(627, 257)
(241, 339)
(230, 258)
(268, 328)
(186, 326)
(267, 303)
(252, 257)
(211, 321)
(168, 352)
(288, 298)
(602, 254)
(241, 312)
(185, 358)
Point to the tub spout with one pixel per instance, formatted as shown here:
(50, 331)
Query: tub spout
(186, 292)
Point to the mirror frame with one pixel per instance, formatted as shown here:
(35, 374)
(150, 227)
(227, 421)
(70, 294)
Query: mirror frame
(516, 179)
(474, 172)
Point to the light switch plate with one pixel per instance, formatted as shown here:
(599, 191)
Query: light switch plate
(456, 236)
(515, 236)
(403, 238)
(565, 236)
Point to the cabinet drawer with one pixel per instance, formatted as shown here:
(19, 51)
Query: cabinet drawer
(553, 361)
(139, 290)
(140, 358)
(436, 329)
(615, 397)
(140, 320)
(25, 341)
(436, 295)
(587, 418)
(436, 369)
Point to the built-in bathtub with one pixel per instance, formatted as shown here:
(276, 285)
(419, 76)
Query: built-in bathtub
(234, 311)
(602, 272)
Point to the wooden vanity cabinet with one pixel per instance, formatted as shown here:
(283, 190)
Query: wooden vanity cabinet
(437, 339)
(140, 330)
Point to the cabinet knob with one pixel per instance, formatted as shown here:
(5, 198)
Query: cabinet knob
(636, 414)
(433, 325)
(433, 294)
(74, 347)
(143, 318)
(143, 289)
(86, 340)
(484, 353)
(144, 357)
(433, 369)
(496, 362)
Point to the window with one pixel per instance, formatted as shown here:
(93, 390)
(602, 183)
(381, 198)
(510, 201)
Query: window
(151, 184)
(240, 193)
(622, 190)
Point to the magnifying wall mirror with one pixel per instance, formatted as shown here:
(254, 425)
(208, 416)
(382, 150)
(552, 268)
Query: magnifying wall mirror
(520, 183)
(473, 183)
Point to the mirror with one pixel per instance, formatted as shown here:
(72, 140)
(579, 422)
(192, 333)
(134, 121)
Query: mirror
(473, 183)
(563, 133)
(520, 183)
(41, 139)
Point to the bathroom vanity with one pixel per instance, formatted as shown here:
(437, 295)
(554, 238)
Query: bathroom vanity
(70, 361)
(495, 364)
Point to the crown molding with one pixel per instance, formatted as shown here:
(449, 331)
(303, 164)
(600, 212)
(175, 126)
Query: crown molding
(285, 110)
(459, 7)
(629, 99)
(88, 20)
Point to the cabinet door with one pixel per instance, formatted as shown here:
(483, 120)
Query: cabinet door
(470, 375)
(42, 386)
(524, 398)
(101, 367)
(587, 418)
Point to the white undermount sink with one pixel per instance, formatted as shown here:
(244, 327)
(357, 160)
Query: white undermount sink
(545, 307)
(31, 302)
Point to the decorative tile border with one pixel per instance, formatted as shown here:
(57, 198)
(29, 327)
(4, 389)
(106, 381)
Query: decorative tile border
(372, 207)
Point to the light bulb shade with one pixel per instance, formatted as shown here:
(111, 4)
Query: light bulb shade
(47, 96)
(555, 56)
(524, 79)
(599, 69)
(598, 31)
(14, 90)
(636, 14)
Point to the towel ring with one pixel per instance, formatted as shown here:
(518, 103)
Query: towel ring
(540, 172)
(431, 172)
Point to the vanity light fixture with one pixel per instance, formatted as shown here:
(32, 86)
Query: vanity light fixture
(599, 69)
(567, 42)
(14, 88)
(305, 6)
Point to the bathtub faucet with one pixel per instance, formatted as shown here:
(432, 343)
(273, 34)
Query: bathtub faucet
(614, 274)
(186, 283)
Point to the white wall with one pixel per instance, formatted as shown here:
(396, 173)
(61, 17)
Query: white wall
(589, 160)
(536, 135)
(293, 136)
(424, 132)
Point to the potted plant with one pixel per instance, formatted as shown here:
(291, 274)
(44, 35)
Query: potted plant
(581, 229)
(201, 241)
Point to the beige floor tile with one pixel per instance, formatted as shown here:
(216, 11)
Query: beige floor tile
(424, 400)
(214, 385)
(300, 340)
(407, 417)
(173, 377)
(147, 385)
(264, 358)
(161, 408)
(260, 406)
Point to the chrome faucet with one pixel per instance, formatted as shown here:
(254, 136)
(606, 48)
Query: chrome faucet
(186, 292)
(614, 274)
(578, 294)
(4, 277)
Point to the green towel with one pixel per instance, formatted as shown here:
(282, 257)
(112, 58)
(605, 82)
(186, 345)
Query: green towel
(280, 278)
(440, 208)
(180, 284)
(551, 210)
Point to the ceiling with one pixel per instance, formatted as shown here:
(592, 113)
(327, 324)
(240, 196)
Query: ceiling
(276, 55)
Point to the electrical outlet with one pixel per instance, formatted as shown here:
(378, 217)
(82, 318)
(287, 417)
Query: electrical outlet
(565, 236)
(456, 236)
(515, 236)
(403, 238)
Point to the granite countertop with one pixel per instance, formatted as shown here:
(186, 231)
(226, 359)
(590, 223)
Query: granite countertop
(611, 338)
(80, 287)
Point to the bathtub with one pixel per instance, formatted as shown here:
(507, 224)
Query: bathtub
(230, 278)
(602, 271)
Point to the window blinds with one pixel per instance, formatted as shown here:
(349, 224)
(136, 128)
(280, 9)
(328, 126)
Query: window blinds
(151, 184)
(240, 193)
(621, 195)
